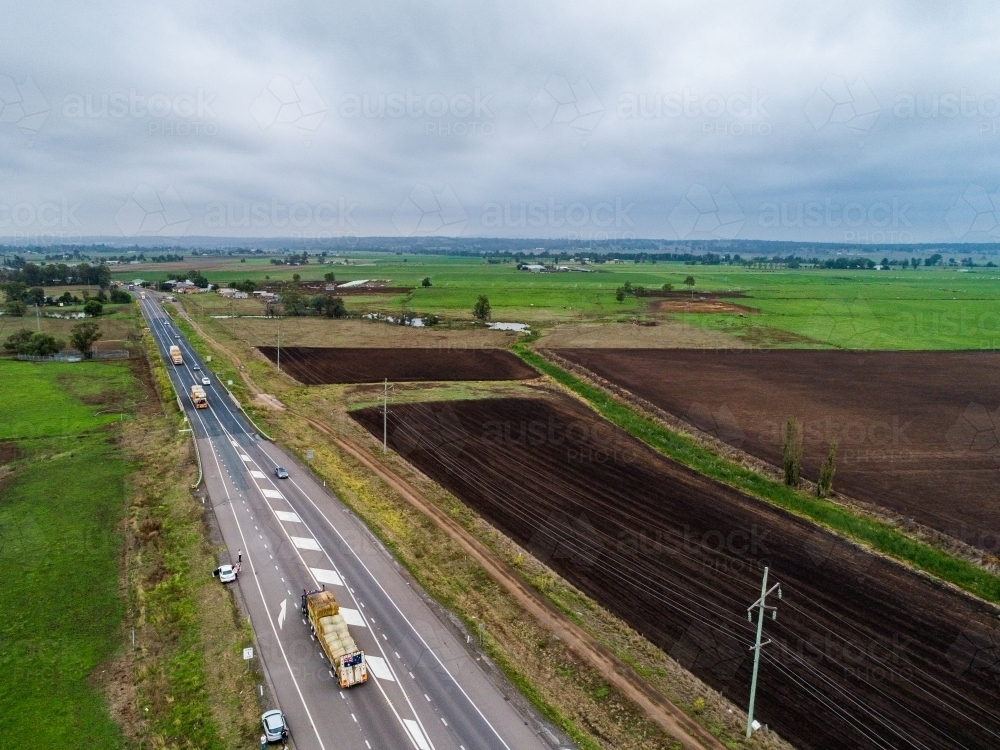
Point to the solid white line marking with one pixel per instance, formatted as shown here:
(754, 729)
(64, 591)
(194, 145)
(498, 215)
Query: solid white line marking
(379, 668)
(284, 515)
(303, 542)
(353, 617)
(322, 575)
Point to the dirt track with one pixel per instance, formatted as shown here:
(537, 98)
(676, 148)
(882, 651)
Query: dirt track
(679, 557)
(316, 366)
(917, 432)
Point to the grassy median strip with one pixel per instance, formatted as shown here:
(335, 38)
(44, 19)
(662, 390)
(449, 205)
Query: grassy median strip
(686, 451)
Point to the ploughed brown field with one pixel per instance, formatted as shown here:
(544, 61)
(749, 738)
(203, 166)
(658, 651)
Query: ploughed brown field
(864, 652)
(917, 432)
(317, 366)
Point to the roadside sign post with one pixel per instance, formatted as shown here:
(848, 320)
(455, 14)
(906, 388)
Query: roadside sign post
(247, 656)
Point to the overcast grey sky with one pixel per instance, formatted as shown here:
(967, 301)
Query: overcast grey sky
(859, 121)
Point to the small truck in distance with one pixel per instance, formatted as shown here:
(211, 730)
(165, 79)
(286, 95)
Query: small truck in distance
(328, 625)
(175, 355)
(198, 397)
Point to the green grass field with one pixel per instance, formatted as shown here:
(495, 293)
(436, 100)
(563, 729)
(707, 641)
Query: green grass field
(930, 308)
(60, 506)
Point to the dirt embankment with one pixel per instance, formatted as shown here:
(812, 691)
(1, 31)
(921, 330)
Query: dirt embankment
(315, 366)
(864, 653)
(917, 433)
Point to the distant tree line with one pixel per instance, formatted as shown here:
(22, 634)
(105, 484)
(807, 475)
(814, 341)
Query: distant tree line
(56, 274)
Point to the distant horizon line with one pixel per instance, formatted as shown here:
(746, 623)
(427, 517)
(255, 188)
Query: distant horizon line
(344, 244)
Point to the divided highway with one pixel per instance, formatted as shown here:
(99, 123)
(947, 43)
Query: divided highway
(425, 691)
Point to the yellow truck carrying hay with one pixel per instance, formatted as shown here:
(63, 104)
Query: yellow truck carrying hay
(198, 397)
(328, 625)
(175, 355)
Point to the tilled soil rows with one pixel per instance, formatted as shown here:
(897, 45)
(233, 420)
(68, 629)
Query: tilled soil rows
(318, 366)
(864, 653)
(917, 432)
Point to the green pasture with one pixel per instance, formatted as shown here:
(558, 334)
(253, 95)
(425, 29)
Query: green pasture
(929, 308)
(61, 500)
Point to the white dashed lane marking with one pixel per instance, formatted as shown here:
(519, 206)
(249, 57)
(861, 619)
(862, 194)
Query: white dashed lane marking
(284, 515)
(273, 494)
(303, 542)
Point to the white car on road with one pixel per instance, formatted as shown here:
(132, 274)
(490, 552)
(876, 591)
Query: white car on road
(225, 573)
(206, 381)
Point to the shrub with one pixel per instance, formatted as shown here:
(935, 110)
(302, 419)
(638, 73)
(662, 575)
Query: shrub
(825, 484)
(791, 452)
(93, 308)
(17, 340)
(482, 309)
(15, 308)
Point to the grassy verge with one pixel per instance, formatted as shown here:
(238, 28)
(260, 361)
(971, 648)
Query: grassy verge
(684, 450)
(191, 687)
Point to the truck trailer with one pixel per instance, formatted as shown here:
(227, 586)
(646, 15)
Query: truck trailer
(198, 397)
(175, 355)
(330, 629)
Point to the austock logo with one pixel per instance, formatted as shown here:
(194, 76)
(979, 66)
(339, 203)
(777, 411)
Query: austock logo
(22, 105)
(732, 551)
(850, 323)
(720, 423)
(295, 104)
(976, 212)
(703, 649)
(702, 213)
(425, 428)
(424, 212)
(575, 105)
(977, 651)
(584, 442)
(837, 101)
(148, 212)
(823, 548)
(562, 537)
(976, 431)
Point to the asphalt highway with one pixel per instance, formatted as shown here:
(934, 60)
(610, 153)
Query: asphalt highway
(425, 690)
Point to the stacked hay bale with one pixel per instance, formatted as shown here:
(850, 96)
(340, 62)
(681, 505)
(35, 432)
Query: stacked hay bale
(338, 640)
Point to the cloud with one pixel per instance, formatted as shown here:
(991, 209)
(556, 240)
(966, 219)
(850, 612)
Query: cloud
(827, 80)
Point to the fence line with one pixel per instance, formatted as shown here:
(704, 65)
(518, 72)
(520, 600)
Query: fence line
(75, 356)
